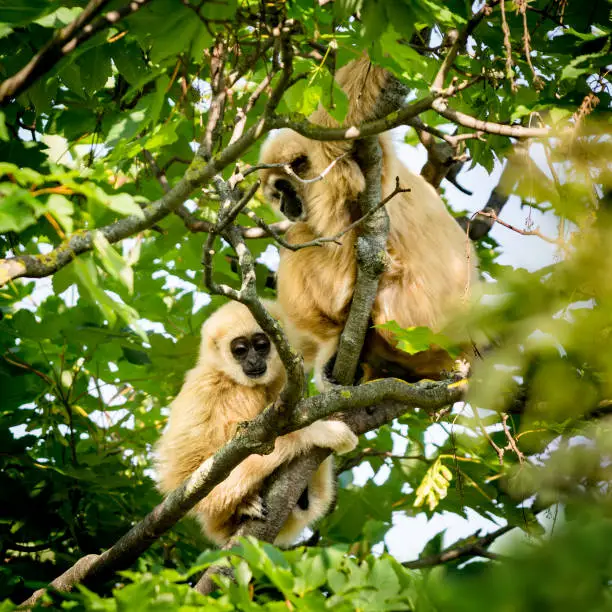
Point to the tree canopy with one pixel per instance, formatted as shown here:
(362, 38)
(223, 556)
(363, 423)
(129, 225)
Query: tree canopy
(129, 138)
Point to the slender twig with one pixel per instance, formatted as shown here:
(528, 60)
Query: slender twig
(242, 113)
(492, 215)
(459, 43)
(511, 440)
(327, 239)
(216, 110)
(500, 451)
(264, 230)
(471, 549)
(507, 45)
(286, 167)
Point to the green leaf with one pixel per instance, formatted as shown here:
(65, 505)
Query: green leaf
(383, 578)
(59, 18)
(4, 134)
(126, 128)
(127, 56)
(62, 209)
(22, 12)
(113, 263)
(87, 274)
(124, 204)
(303, 97)
(95, 68)
(416, 339)
(18, 208)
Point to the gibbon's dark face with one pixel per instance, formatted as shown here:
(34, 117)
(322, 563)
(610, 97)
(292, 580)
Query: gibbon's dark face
(283, 190)
(251, 352)
(290, 204)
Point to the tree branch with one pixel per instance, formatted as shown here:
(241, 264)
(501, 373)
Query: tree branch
(475, 548)
(198, 174)
(479, 226)
(64, 42)
(370, 128)
(258, 436)
(371, 258)
(514, 131)
(37, 266)
(229, 208)
(460, 42)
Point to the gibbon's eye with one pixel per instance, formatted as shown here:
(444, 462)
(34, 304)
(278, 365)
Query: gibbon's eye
(300, 164)
(239, 348)
(261, 343)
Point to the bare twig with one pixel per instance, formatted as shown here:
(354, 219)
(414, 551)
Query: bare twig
(218, 98)
(512, 445)
(286, 167)
(522, 9)
(507, 45)
(264, 230)
(500, 451)
(471, 549)
(459, 43)
(492, 215)
(336, 237)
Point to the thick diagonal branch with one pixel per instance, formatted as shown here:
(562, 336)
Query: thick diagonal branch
(394, 397)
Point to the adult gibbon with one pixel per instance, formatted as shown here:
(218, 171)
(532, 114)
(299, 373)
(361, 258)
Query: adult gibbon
(426, 272)
(237, 375)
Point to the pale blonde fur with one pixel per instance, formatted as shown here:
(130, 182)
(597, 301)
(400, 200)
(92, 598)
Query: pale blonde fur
(215, 398)
(427, 267)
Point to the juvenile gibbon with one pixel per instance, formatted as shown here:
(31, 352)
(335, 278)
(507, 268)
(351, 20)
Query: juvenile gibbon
(238, 374)
(427, 270)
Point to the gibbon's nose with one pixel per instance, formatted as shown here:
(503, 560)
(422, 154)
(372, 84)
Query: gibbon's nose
(284, 186)
(254, 366)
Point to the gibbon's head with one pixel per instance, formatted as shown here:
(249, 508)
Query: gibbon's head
(324, 204)
(233, 343)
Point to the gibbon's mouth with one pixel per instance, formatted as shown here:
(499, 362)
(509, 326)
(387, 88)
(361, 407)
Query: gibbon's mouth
(255, 372)
(291, 207)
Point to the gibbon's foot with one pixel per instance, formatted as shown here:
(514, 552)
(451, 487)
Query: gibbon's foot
(328, 373)
(461, 369)
(253, 507)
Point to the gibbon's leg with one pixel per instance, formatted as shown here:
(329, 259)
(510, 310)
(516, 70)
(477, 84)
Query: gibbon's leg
(245, 479)
(316, 499)
(314, 288)
(322, 369)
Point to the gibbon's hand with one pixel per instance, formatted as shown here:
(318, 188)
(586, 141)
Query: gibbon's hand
(253, 507)
(333, 434)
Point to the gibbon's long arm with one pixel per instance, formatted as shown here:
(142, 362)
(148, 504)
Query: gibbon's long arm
(246, 478)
